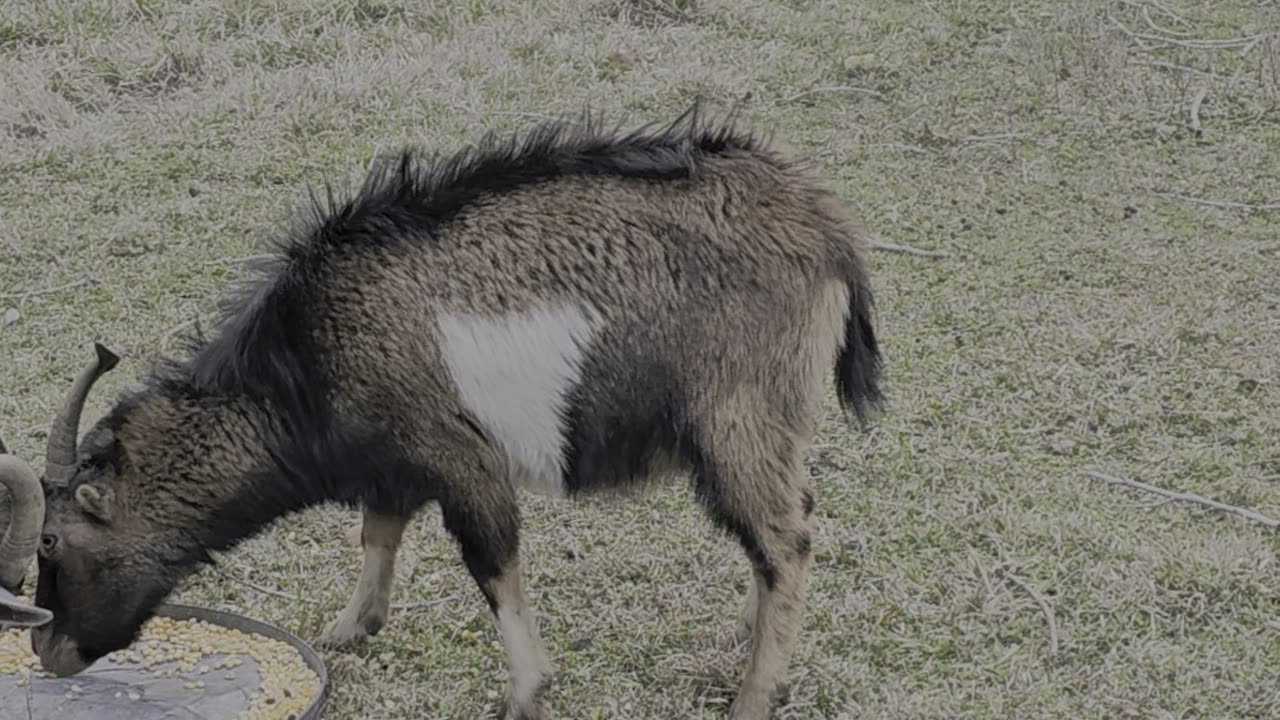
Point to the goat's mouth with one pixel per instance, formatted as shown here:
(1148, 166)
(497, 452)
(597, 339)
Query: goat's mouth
(59, 654)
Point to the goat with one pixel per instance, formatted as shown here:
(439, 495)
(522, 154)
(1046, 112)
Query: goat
(569, 312)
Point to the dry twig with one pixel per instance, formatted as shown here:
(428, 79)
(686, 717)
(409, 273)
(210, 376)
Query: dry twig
(86, 280)
(1146, 17)
(1186, 497)
(1240, 64)
(426, 603)
(1142, 38)
(1158, 6)
(878, 244)
(997, 138)
(512, 113)
(1182, 68)
(269, 591)
(1169, 13)
(1137, 40)
(1045, 608)
(288, 596)
(836, 88)
(1231, 204)
(243, 259)
(531, 115)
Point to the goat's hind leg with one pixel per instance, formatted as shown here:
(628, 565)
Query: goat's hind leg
(761, 498)
(366, 612)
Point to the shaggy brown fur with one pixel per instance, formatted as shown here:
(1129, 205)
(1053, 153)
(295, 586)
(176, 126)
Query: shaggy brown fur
(667, 298)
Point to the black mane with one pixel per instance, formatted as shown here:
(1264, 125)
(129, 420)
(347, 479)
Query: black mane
(418, 193)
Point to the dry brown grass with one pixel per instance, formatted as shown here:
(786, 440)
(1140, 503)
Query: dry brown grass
(1080, 319)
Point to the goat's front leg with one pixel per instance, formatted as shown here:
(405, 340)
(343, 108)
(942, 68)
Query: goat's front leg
(486, 526)
(366, 611)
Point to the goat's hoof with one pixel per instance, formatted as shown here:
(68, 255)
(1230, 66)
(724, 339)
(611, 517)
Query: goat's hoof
(343, 633)
(751, 707)
(507, 711)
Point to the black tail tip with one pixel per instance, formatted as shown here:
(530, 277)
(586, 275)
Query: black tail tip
(859, 367)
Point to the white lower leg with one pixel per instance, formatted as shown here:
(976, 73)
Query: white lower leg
(366, 611)
(526, 657)
(778, 617)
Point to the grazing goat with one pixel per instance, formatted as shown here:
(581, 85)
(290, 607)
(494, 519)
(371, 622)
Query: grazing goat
(572, 311)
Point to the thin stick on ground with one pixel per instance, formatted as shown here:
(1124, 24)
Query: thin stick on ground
(1135, 37)
(1045, 608)
(1169, 13)
(1194, 111)
(310, 601)
(513, 113)
(269, 591)
(1229, 204)
(996, 138)
(1142, 38)
(1181, 68)
(1146, 18)
(834, 89)
(1240, 63)
(243, 259)
(1158, 6)
(878, 244)
(86, 280)
(1185, 497)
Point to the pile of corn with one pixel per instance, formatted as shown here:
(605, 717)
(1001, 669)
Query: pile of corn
(187, 648)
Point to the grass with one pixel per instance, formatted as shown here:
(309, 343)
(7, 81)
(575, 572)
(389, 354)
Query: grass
(1080, 319)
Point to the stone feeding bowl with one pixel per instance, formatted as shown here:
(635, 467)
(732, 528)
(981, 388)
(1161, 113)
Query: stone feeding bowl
(189, 663)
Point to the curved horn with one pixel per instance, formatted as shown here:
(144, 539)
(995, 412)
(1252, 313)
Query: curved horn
(60, 461)
(26, 518)
(15, 613)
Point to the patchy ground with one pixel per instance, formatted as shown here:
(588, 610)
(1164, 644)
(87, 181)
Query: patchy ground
(1093, 311)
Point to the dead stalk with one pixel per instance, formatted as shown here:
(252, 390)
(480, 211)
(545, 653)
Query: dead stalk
(1186, 497)
(1226, 204)
(288, 596)
(878, 244)
(835, 88)
(86, 280)
(1146, 17)
(1181, 68)
(1045, 608)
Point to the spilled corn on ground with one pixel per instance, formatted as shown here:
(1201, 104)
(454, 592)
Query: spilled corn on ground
(193, 648)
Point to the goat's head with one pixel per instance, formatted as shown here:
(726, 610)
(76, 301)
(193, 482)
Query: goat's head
(97, 577)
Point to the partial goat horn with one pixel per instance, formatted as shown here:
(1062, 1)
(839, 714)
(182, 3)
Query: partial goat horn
(15, 613)
(26, 517)
(60, 461)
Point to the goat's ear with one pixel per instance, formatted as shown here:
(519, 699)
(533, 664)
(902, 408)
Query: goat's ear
(95, 501)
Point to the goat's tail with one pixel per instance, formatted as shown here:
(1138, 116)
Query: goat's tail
(858, 364)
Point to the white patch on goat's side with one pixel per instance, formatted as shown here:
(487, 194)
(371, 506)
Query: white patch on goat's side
(514, 373)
